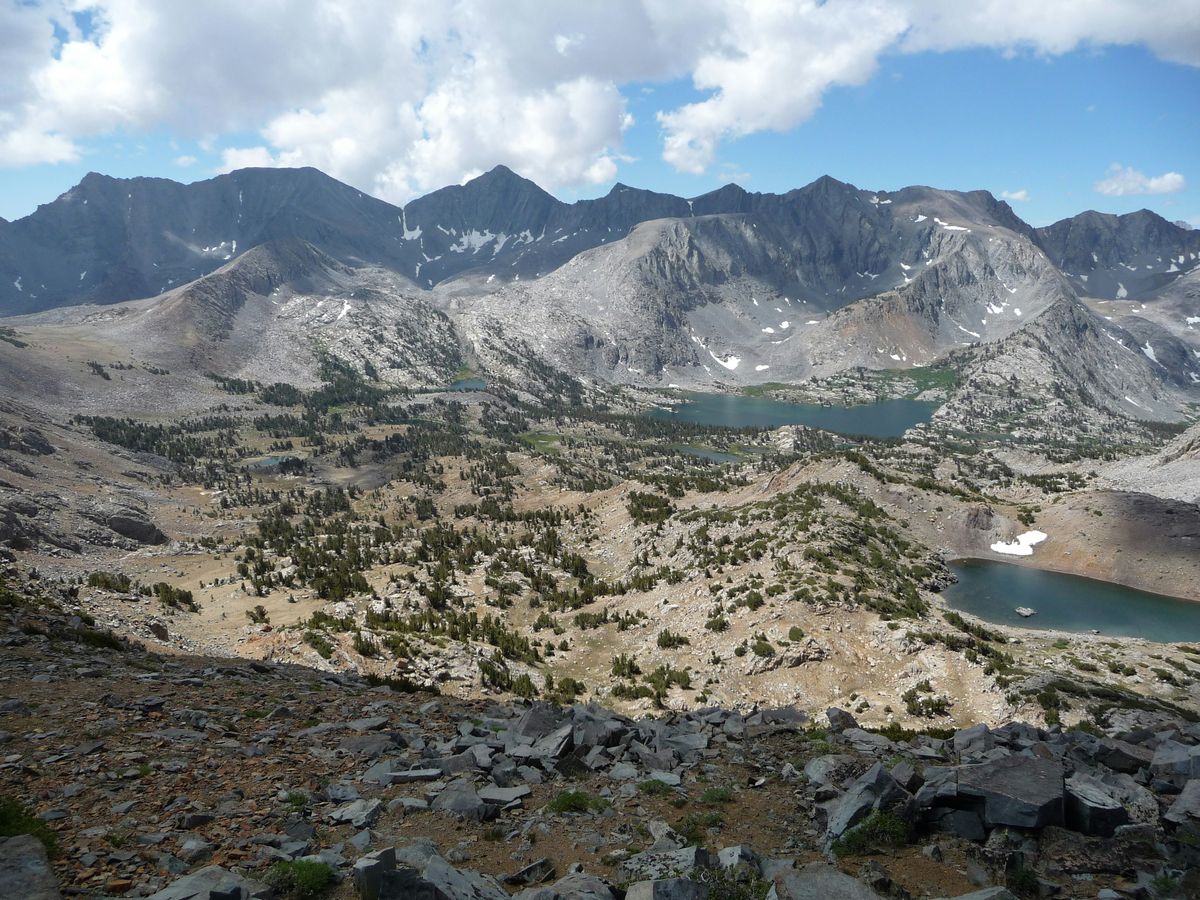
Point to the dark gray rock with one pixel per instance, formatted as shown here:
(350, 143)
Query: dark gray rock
(1186, 808)
(1020, 791)
(839, 719)
(976, 739)
(25, 871)
(126, 520)
(461, 799)
(1172, 758)
(536, 872)
(1122, 756)
(668, 889)
(818, 881)
(504, 795)
(373, 723)
(906, 776)
(653, 864)
(421, 872)
(1090, 808)
(826, 769)
(359, 813)
(965, 823)
(214, 881)
(875, 789)
(369, 871)
(576, 886)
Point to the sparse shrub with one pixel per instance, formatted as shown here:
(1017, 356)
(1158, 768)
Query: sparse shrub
(668, 640)
(880, 830)
(15, 819)
(300, 878)
(576, 802)
(654, 787)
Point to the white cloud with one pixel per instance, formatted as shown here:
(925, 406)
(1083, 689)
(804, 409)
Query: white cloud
(1015, 196)
(184, 161)
(400, 98)
(770, 69)
(1125, 180)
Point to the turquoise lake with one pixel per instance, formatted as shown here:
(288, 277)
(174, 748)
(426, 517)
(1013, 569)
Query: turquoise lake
(992, 590)
(467, 384)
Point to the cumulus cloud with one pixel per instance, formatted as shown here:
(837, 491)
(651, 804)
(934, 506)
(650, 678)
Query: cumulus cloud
(770, 69)
(1123, 181)
(1015, 196)
(397, 98)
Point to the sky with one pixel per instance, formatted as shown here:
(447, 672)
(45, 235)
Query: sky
(1057, 107)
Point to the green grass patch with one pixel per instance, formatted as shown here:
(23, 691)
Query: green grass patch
(539, 441)
(576, 802)
(655, 788)
(300, 878)
(16, 819)
(715, 795)
(880, 830)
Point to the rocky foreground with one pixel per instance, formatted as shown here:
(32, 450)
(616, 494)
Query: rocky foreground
(179, 778)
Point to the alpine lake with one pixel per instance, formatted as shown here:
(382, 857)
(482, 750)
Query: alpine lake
(992, 591)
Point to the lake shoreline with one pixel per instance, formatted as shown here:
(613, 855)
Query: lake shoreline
(991, 590)
(878, 420)
(1085, 572)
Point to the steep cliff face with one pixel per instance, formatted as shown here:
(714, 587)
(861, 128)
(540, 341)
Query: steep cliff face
(1114, 257)
(1069, 377)
(748, 297)
(110, 239)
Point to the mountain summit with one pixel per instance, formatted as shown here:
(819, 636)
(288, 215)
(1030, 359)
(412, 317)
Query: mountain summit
(112, 239)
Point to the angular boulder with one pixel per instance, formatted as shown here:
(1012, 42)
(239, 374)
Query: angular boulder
(214, 881)
(25, 871)
(668, 889)
(1186, 808)
(875, 789)
(1090, 808)
(422, 872)
(818, 881)
(577, 886)
(1021, 791)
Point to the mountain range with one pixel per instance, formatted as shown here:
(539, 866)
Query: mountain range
(109, 240)
(254, 273)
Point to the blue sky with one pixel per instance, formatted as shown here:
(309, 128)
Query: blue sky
(1045, 127)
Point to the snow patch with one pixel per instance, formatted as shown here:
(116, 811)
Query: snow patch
(950, 227)
(1149, 351)
(729, 363)
(409, 234)
(1022, 546)
(761, 368)
(475, 241)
